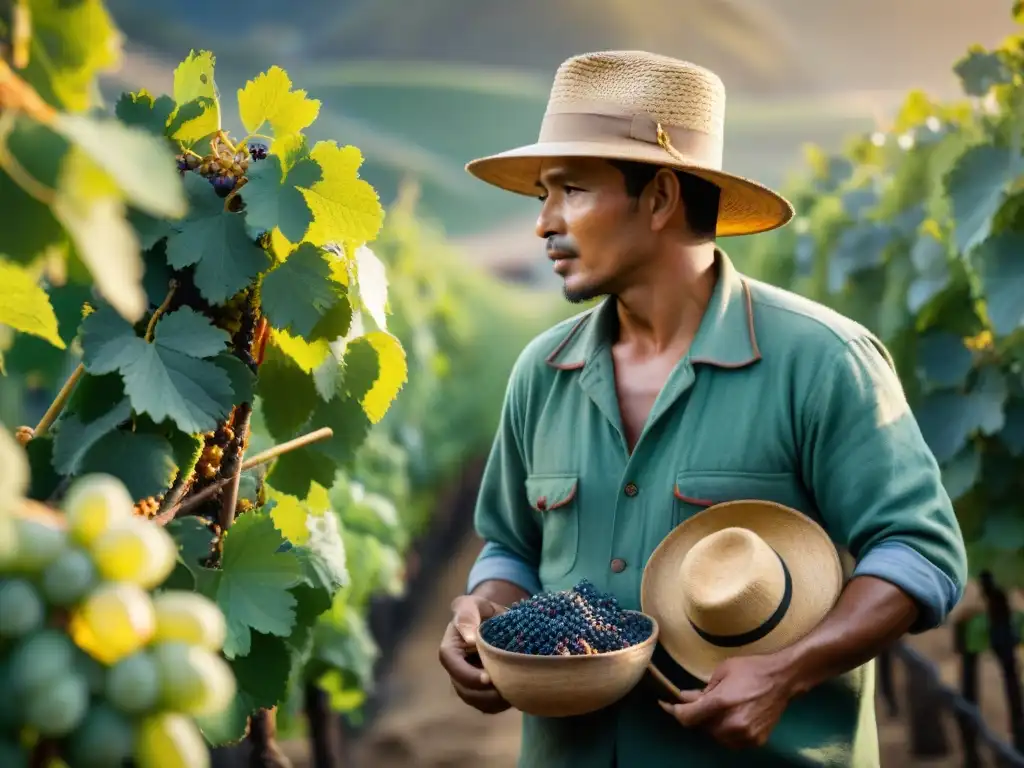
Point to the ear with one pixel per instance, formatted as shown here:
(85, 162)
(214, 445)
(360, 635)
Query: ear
(664, 199)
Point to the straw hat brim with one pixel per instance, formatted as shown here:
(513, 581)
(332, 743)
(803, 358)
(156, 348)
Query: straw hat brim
(745, 208)
(809, 554)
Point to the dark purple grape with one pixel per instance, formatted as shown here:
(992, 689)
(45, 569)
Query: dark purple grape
(573, 622)
(258, 151)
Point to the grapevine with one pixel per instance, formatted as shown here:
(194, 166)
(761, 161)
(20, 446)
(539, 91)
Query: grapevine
(224, 276)
(916, 231)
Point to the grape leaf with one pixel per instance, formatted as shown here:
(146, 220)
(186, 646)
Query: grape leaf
(392, 376)
(962, 473)
(44, 480)
(859, 247)
(71, 43)
(142, 166)
(347, 419)
(40, 152)
(167, 378)
(287, 395)
(273, 198)
(1000, 260)
(948, 418)
(296, 295)
(295, 472)
(977, 186)
(143, 461)
(215, 240)
(198, 102)
(92, 210)
(269, 98)
(243, 380)
(141, 110)
(25, 306)
(345, 644)
(263, 672)
(929, 257)
(194, 540)
(1004, 529)
(1013, 431)
(345, 208)
(76, 436)
(313, 527)
(308, 355)
(943, 360)
(980, 70)
(252, 585)
(373, 286)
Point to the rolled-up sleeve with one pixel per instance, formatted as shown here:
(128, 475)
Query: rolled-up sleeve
(878, 486)
(503, 518)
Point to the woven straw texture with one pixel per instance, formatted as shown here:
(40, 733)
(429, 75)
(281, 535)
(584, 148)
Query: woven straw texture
(673, 92)
(811, 557)
(677, 95)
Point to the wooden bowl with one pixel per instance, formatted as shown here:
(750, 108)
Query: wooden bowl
(564, 686)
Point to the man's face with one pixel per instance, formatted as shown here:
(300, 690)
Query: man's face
(596, 234)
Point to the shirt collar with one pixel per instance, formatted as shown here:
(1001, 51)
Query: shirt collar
(725, 338)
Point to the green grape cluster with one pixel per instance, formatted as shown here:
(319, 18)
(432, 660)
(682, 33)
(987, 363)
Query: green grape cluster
(96, 663)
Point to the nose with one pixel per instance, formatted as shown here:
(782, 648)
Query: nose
(548, 221)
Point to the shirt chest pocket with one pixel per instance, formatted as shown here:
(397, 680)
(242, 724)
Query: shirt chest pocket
(695, 490)
(554, 500)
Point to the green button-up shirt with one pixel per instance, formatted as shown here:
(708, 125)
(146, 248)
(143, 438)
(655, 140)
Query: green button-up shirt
(779, 398)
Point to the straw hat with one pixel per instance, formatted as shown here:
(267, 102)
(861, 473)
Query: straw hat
(633, 105)
(739, 578)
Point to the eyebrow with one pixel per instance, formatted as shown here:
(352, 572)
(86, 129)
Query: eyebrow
(554, 177)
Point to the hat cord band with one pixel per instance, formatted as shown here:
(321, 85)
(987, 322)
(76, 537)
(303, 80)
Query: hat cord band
(595, 122)
(773, 621)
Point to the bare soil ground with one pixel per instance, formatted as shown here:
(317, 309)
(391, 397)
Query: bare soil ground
(427, 726)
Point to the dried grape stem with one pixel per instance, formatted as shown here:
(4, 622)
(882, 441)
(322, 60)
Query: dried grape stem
(234, 466)
(177, 491)
(59, 402)
(260, 458)
(151, 327)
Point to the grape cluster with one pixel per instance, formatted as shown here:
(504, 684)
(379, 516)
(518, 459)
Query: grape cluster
(581, 621)
(225, 167)
(94, 667)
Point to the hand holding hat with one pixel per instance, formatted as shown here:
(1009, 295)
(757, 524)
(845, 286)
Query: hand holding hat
(731, 587)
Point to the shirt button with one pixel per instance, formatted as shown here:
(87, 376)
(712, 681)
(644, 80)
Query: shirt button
(631, 489)
(618, 565)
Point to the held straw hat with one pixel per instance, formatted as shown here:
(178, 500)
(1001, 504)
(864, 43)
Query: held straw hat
(633, 105)
(739, 578)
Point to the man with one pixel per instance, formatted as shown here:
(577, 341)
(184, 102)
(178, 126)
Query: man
(691, 385)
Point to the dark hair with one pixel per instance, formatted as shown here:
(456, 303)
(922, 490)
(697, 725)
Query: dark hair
(700, 197)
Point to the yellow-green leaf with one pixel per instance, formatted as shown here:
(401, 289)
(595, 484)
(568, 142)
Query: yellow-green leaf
(307, 355)
(269, 98)
(345, 208)
(90, 206)
(198, 104)
(71, 43)
(289, 515)
(24, 305)
(394, 373)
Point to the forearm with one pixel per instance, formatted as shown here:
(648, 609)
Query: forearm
(503, 593)
(870, 615)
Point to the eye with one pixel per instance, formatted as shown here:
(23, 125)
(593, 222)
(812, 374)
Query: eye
(570, 189)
